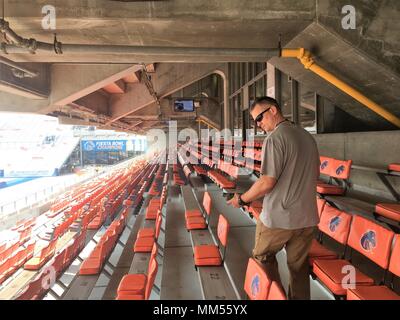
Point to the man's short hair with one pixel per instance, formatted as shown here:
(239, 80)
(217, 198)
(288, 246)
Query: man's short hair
(265, 101)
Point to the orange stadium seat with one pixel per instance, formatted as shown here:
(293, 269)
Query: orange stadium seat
(258, 285)
(368, 238)
(46, 253)
(333, 168)
(98, 220)
(221, 180)
(151, 232)
(193, 213)
(33, 290)
(144, 242)
(389, 210)
(200, 170)
(394, 167)
(138, 286)
(209, 255)
(58, 262)
(276, 292)
(380, 292)
(8, 250)
(335, 224)
(152, 209)
(194, 221)
(372, 293)
(94, 263)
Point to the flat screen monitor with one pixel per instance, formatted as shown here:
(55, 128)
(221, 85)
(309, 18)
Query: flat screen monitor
(184, 105)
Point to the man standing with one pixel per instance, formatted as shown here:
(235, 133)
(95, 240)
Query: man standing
(289, 173)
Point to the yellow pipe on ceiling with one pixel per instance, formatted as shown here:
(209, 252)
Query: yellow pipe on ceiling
(306, 59)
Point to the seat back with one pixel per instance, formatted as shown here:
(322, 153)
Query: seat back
(81, 240)
(223, 230)
(207, 202)
(151, 277)
(30, 249)
(276, 292)
(340, 168)
(154, 251)
(69, 252)
(109, 244)
(25, 235)
(33, 289)
(335, 223)
(371, 240)
(4, 266)
(13, 260)
(335, 168)
(320, 205)
(158, 226)
(49, 250)
(256, 283)
(58, 262)
(86, 219)
(394, 265)
(20, 257)
(7, 253)
(325, 165)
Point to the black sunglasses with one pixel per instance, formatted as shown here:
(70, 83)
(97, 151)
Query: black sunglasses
(260, 116)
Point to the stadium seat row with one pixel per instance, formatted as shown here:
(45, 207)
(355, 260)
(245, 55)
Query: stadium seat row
(368, 238)
(94, 263)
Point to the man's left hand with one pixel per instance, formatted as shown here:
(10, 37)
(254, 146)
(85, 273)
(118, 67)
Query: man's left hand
(234, 202)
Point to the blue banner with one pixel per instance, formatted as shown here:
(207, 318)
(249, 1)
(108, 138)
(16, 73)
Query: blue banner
(104, 145)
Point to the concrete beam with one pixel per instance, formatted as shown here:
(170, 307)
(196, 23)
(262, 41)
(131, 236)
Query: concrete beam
(134, 125)
(168, 79)
(72, 82)
(96, 101)
(143, 117)
(131, 78)
(136, 97)
(115, 87)
(15, 103)
(150, 68)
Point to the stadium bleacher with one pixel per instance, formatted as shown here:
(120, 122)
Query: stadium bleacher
(341, 232)
(129, 208)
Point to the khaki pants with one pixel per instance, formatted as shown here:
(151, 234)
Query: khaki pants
(297, 244)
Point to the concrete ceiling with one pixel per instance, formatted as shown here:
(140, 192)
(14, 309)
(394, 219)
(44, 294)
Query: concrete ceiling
(201, 23)
(350, 64)
(111, 88)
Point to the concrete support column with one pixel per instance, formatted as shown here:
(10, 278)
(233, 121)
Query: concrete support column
(227, 121)
(295, 101)
(245, 112)
(319, 107)
(273, 82)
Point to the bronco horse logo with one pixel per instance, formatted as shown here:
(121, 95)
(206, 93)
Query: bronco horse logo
(255, 285)
(334, 223)
(324, 164)
(340, 169)
(368, 240)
